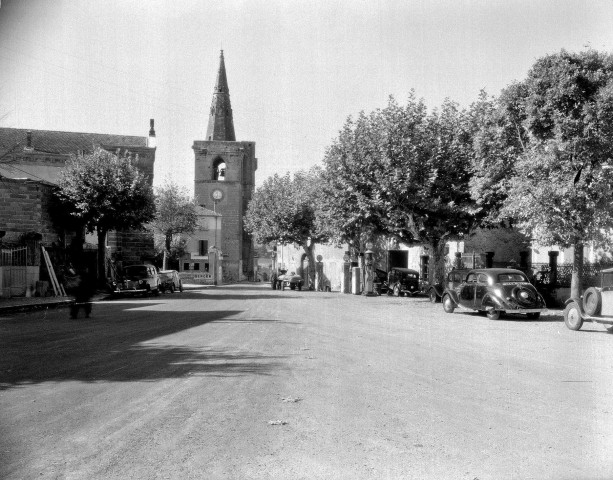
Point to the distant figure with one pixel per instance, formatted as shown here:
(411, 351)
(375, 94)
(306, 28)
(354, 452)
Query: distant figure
(83, 293)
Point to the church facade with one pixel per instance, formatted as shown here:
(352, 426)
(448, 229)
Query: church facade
(224, 180)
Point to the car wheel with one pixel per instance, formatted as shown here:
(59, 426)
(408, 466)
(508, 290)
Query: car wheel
(493, 314)
(156, 292)
(448, 304)
(172, 288)
(534, 315)
(180, 286)
(592, 301)
(292, 286)
(572, 317)
(433, 296)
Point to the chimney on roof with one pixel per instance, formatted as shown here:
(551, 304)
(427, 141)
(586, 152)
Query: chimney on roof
(151, 140)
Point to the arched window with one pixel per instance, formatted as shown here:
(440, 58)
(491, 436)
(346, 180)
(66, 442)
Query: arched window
(219, 170)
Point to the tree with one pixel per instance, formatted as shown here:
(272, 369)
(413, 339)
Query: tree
(559, 192)
(175, 214)
(107, 192)
(498, 140)
(352, 164)
(285, 209)
(403, 172)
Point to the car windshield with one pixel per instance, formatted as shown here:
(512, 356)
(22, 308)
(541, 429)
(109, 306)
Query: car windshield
(512, 277)
(138, 271)
(401, 274)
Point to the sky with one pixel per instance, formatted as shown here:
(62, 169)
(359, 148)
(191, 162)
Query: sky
(296, 69)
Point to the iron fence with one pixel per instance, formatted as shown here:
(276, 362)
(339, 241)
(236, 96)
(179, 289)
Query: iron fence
(14, 257)
(589, 274)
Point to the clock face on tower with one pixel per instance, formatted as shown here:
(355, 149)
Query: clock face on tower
(217, 195)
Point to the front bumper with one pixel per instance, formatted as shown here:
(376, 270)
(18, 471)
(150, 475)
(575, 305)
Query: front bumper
(131, 286)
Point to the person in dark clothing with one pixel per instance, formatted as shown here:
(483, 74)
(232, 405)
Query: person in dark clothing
(83, 293)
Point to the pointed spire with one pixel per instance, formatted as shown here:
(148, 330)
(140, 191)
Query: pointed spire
(221, 124)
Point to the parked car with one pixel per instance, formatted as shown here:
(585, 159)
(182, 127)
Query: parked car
(138, 279)
(290, 280)
(595, 305)
(170, 281)
(495, 291)
(380, 285)
(453, 279)
(403, 281)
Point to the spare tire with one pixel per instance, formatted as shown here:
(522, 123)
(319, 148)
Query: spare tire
(592, 301)
(525, 296)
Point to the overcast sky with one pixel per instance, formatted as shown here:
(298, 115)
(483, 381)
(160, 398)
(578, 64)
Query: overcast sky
(296, 69)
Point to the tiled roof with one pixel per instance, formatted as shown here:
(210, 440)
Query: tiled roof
(49, 141)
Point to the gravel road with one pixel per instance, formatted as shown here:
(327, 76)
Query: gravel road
(243, 382)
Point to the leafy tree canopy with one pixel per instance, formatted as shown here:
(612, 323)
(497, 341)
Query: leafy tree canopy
(107, 192)
(175, 212)
(541, 148)
(560, 193)
(403, 172)
(285, 209)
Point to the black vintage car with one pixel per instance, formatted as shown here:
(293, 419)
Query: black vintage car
(453, 279)
(495, 291)
(403, 281)
(595, 305)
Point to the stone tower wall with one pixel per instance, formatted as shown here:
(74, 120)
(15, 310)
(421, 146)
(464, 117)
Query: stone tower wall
(237, 189)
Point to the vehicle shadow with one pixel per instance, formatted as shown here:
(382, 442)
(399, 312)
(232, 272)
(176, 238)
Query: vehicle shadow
(544, 318)
(122, 344)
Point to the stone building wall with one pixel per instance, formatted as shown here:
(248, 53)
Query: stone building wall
(505, 243)
(24, 207)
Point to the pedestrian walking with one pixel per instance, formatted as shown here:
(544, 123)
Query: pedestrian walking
(83, 293)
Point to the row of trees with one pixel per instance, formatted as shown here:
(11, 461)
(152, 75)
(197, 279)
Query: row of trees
(536, 157)
(102, 191)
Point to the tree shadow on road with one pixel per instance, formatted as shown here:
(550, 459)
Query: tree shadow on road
(216, 293)
(120, 345)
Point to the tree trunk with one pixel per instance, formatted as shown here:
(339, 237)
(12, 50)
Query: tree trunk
(167, 245)
(576, 283)
(101, 274)
(308, 249)
(436, 274)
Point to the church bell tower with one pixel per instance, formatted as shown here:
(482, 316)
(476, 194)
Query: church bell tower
(225, 179)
